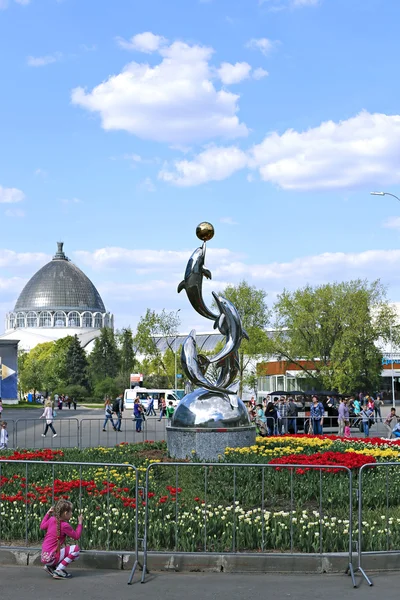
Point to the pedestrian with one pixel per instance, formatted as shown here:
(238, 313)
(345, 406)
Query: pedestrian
(108, 415)
(291, 416)
(271, 418)
(162, 406)
(68, 401)
(48, 415)
(60, 402)
(1, 407)
(377, 408)
(3, 436)
(170, 412)
(55, 556)
(118, 409)
(347, 431)
(74, 402)
(150, 407)
(343, 415)
(366, 415)
(391, 421)
(317, 415)
(138, 415)
(261, 420)
(282, 416)
(396, 429)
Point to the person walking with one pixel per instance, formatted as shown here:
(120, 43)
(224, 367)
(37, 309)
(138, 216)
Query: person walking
(366, 415)
(162, 406)
(317, 415)
(150, 407)
(108, 415)
(377, 408)
(1, 407)
(74, 402)
(48, 415)
(170, 412)
(291, 416)
(118, 408)
(68, 401)
(3, 436)
(343, 416)
(138, 415)
(271, 418)
(390, 422)
(55, 556)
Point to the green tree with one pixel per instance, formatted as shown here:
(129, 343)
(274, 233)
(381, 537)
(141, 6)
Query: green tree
(336, 328)
(127, 356)
(149, 328)
(253, 310)
(107, 387)
(76, 365)
(104, 361)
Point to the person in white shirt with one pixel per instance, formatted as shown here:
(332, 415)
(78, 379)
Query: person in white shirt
(3, 436)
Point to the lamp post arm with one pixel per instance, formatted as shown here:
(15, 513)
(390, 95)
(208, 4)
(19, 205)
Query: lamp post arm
(393, 196)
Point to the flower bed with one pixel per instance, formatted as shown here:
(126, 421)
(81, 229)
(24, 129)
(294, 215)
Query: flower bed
(218, 508)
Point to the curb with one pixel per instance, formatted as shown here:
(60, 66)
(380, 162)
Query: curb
(215, 563)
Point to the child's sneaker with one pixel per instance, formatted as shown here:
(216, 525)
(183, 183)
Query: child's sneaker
(61, 574)
(50, 570)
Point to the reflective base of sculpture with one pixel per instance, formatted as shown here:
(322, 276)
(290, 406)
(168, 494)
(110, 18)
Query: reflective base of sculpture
(203, 408)
(207, 444)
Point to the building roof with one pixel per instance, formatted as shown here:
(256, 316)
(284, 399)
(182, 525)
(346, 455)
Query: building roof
(59, 285)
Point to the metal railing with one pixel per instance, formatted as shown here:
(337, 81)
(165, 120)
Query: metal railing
(91, 431)
(29, 433)
(368, 500)
(233, 481)
(48, 472)
(331, 426)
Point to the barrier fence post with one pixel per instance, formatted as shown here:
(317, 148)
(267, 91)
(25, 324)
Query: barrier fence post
(360, 525)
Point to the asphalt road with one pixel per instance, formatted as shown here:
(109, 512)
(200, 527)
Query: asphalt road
(31, 582)
(83, 427)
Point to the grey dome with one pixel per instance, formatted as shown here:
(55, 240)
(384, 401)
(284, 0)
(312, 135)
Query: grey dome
(60, 285)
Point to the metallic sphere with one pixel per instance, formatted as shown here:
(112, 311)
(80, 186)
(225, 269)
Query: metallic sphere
(205, 231)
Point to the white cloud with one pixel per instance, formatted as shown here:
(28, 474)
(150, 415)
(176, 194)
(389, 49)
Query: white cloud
(213, 164)
(43, 61)
(10, 258)
(12, 284)
(228, 221)
(10, 195)
(143, 42)
(14, 212)
(70, 201)
(41, 173)
(392, 223)
(299, 3)
(229, 73)
(260, 73)
(5, 3)
(263, 44)
(147, 185)
(174, 101)
(359, 152)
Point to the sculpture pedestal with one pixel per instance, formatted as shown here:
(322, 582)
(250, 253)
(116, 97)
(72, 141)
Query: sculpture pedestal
(207, 444)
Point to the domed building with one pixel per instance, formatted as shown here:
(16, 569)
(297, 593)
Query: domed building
(59, 300)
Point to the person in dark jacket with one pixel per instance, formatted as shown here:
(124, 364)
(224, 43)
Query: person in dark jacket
(271, 416)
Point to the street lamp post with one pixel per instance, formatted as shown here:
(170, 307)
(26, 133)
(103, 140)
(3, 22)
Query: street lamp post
(175, 354)
(391, 337)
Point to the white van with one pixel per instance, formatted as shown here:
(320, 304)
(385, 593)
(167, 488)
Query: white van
(143, 394)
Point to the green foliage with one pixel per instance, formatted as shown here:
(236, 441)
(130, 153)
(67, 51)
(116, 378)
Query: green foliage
(106, 387)
(76, 365)
(336, 327)
(104, 361)
(127, 355)
(253, 310)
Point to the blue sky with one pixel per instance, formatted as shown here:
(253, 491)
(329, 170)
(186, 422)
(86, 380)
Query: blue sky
(124, 124)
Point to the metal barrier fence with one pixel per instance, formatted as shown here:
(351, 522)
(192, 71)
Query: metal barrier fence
(92, 432)
(52, 488)
(305, 424)
(368, 500)
(222, 482)
(29, 433)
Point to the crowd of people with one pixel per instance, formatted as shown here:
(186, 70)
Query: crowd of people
(280, 414)
(140, 411)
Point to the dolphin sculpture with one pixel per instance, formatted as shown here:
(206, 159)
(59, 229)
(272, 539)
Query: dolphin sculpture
(194, 366)
(193, 282)
(230, 325)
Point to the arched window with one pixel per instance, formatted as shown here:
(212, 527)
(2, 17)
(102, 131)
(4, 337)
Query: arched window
(60, 320)
(45, 319)
(31, 319)
(87, 319)
(98, 321)
(74, 319)
(11, 321)
(20, 320)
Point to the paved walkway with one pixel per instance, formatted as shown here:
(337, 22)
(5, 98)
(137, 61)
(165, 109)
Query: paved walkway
(30, 582)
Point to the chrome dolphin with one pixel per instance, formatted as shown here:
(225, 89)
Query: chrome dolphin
(193, 282)
(230, 325)
(194, 365)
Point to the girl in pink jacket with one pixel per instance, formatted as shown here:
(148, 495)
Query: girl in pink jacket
(55, 555)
